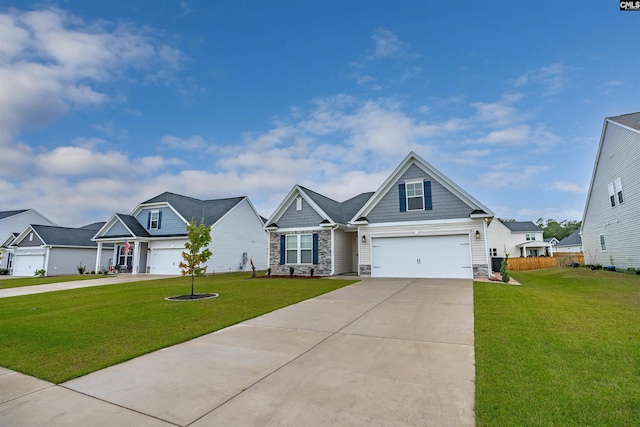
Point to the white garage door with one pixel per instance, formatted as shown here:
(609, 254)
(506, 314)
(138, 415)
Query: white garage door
(423, 256)
(165, 261)
(27, 264)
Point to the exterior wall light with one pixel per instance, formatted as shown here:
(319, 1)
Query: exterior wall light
(364, 238)
(477, 234)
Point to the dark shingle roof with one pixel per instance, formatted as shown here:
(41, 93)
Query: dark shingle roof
(196, 209)
(7, 214)
(93, 226)
(522, 226)
(65, 236)
(572, 239)
(631, 120)
(136, 228)
(339, 213)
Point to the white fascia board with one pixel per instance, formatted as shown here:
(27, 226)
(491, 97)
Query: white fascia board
(105, 227)
(428, 222)
(413, 158)
(282, 207)
(156, 205)
(286, 230)
(24, 234)
(595, 167)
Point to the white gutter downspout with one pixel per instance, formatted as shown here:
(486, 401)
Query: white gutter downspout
(333, 252)
(486, 248)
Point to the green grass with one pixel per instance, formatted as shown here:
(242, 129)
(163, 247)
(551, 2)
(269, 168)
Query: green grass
(58, 336)
(10, 282)
(563, 349)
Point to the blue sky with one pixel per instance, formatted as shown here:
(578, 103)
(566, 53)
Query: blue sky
(104, 104)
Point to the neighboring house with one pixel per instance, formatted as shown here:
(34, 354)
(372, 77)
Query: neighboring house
(571, 243)
(419, 223)
(156, 231)
(13, 222)
(610, 232)
(57, 250)
(552, 241)
(518, 239)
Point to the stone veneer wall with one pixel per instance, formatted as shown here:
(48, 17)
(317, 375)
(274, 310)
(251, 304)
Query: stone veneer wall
(480, 270)
(323, 268)
(365, 270)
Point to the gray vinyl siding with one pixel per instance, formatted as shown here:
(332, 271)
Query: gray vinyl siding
(619, 158)
(307, 217)
(25, 243)
(171, 223)
(118, 229)
(445, 204)
(64, 261)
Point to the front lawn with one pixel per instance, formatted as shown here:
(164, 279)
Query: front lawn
(11, 282)
(562, 349)
(61, 335)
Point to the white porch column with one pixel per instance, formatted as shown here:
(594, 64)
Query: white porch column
(114, 260)
(98, 257)
(45, 263)
(136, 257)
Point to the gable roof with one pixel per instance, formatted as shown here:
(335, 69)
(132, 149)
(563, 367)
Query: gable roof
(573, 239)
(191, 208)
(332, 211)
(7, 241)
(62, 236)
(479, 210)
(630, 121)
(522, 226)
(7, 214)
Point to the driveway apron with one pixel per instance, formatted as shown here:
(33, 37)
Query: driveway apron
(386, 352)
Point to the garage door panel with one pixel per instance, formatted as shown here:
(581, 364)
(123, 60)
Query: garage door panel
(26, 265)
(166, 261)
(422, 256)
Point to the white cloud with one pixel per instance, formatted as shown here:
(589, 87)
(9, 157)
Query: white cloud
(193, 143)
(51, 61)
(570, 187)
(553, 78)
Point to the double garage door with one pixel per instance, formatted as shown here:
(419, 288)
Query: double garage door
(166, 261)
(422, 256)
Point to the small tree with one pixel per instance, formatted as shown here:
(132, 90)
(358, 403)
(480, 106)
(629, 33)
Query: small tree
(197, 250)
(504, 274)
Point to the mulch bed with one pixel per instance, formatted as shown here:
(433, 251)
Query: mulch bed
(286, 276)
(194, 297)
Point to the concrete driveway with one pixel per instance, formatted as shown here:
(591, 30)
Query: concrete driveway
(382, 352)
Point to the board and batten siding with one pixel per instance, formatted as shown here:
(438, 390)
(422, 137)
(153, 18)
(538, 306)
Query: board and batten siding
(238, 232)
(63, 261)
(343, 252)
(446, 205)
(117, 230)
(292, 218)
(25, 243)
(478, 248)
(170, 224)
(619, 158)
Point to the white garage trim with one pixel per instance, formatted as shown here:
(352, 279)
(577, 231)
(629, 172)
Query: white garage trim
(434, 256)
(165, 261)
(27, 264)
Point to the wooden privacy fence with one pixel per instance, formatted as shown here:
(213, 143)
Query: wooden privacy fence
(561, 259)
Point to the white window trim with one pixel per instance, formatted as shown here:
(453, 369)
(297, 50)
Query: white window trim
(298, 249)
(298, 203)
(618, 190)
(530, 237)
(612, 195)
(421, 186)
(157, 220)
(602, 241)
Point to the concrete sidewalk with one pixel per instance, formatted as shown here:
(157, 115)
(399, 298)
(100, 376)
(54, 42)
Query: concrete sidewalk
(388, 352)
(63, 286)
